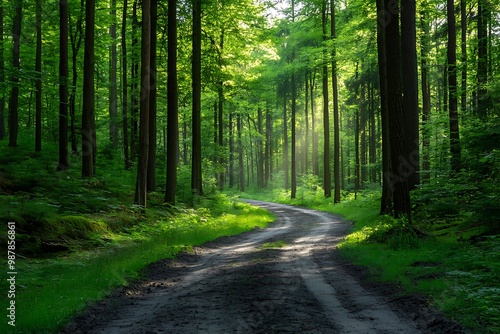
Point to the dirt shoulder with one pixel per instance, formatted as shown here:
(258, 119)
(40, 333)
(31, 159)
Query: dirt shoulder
(238, 285)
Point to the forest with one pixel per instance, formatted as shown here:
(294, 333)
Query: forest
(130, 130)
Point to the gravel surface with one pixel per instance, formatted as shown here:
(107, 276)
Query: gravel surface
(235, 285)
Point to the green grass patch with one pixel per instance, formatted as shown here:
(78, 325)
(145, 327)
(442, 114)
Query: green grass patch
(50, 291)
(273, 245)
(442, 259)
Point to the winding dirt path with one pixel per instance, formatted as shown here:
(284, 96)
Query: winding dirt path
(234, 285)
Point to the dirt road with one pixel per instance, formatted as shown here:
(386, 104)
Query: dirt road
(235, 285)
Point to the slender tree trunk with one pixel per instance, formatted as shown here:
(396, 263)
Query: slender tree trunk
(14, 97)
(306, 112)
(336, 116)
(88, 124)
(268, 150)
(294, 148)
(172, 105)
(231, 150)
(482, 58)
(2, 77)
(426, 97)
(142, 167)
(452, 86)
(220, 97)
(463, 24)
(410, 89)
(63, 86)
(241, 173)
(373, 136)
(286, 160)
(399, 147)
(327, 179)
(386, 201)
(126, 149)
(134, 103)
(76, 37)
(362, 134)
(38, 85)
(196, 178)
(260, 154)
(113, 92)
(151, 179)
(315, 159)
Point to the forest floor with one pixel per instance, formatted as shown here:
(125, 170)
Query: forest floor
(287, 278)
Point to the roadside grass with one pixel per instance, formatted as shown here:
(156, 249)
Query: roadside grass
(51, 290)
(273, 245)
(443, 261)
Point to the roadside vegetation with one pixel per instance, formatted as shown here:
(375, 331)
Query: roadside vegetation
(448, 253)
(77, 240)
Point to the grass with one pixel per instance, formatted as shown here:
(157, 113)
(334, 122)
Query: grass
(273, 245)
(458, 276)
(50, 291)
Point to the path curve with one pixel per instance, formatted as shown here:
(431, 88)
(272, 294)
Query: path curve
(235, 285)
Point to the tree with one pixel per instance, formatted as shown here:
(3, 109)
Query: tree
(63, 86)
(142, 166)
(399, 175)
(88, 122)
(482, 60)
(410, 89)
(151, 179)
(2, 77)
(38, 84)
(327, 180)
(126, 149)
(196, 178)
(452, 87)
(336, 116)
(113, 89)
(172, 105)
(16, 67)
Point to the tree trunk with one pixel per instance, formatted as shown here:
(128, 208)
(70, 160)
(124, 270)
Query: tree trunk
(113, 93)
(14, 97)
(482, 58)
(268, 155)
(463, 24)
(231, 150)
(426, 97)
(76, 37)
(63, 86)
(336, 115)
(151, 179)
(386, 201)
(315, 159)
(126, 149)
(241, 173)
(327, 179)
(134, 101)
(294, 148)
(399, 175)
(410, 89)
(260, 154)
(38, 85)
(220, 97)
(286, 161)
(172, 105)
(2, 77)
(452, 87)
(88, 123)
(142, 166)
(306, 113)
(196, 178)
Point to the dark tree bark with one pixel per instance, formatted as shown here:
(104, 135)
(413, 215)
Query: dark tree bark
(88, 123)
(260, 153)
(306, 113)
(196, 178)
(268, 155)
(231, 150)
(294, 148)
(315, 159)
(426, 96)
(399, 147)
(336, 115)
(410, 89)
(327, 179)
(63, 86)
(151, 179)
(373, 136)
(2, 77)
(134, 99)
(463, 24)
(126, 149)
(220, 98)
(241, 173)
(286, 161)
(386, 201)
(76, 37)
(142, 166)
(362, 133)
(38, 84)
(172, 105)
(482, 57)
(452, 88)
(113, 92)
(16, 66)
